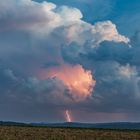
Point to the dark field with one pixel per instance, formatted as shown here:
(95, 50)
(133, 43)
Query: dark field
(44, 133)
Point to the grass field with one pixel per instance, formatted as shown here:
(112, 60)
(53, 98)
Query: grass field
(44, 133)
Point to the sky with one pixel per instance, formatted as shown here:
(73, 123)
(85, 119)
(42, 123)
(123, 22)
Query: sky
(74, 60)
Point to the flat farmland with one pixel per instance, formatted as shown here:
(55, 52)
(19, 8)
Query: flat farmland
(45, 133)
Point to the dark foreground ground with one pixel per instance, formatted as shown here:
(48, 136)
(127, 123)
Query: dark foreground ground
(44, 133)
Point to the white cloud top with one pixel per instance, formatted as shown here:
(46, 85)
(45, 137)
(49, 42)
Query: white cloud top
(45, 17)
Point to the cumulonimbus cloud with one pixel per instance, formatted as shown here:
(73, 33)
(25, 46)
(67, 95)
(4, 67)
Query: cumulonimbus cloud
(54, 56)
(45, 22)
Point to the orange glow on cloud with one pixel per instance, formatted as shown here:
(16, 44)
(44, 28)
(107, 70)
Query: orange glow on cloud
(78, 80)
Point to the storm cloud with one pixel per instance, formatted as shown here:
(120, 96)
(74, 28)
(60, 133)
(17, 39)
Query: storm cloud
(51, 58)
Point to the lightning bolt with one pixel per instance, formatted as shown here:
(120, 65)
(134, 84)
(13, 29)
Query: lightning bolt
(68, 117)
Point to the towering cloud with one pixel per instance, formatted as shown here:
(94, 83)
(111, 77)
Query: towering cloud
(51, 57)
